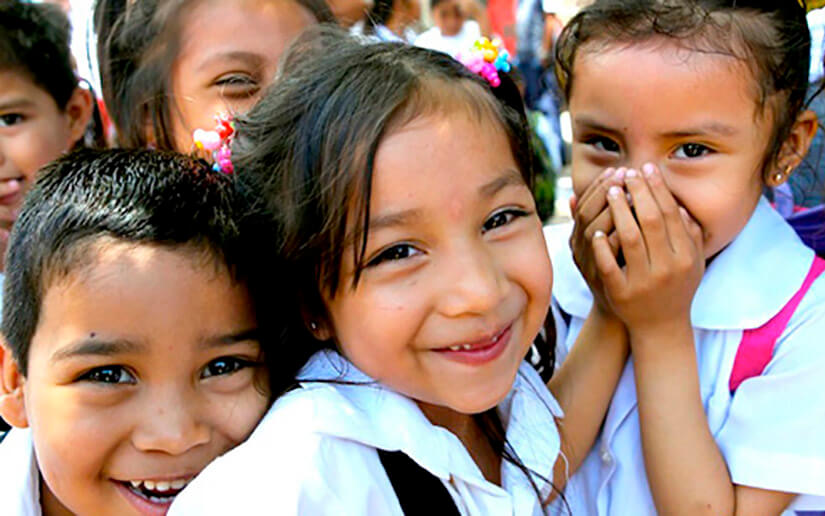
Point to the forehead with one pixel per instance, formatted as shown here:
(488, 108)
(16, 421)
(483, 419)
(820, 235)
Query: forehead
(17, 85)
(260, 27)
(661, 83)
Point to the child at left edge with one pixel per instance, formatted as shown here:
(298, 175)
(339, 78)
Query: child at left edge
(132, 351)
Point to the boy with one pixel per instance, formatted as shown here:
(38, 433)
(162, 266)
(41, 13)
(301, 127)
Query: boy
(132, 351)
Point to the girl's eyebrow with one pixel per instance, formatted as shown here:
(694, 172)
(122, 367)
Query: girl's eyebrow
(509, 177)
(248, 58)
(716, 128)
(96, 347)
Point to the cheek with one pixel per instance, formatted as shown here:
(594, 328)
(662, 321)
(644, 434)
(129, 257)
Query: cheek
(39, 146)
(583, 175)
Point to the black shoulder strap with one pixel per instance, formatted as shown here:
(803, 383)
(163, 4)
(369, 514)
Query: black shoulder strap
(3, 436)
(419, 492)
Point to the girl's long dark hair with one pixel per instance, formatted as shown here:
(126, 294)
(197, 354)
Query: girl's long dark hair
(306, 154)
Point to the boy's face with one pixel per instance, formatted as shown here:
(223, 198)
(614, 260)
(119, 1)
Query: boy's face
(141, 371)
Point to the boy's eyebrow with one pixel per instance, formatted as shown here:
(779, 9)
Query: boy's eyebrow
(13, 104)
(253, 334)
(96, 347)
(592, 124)
(510, 177)
(398, 218)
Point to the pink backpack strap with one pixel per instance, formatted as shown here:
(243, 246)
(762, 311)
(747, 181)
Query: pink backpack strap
(756, 348)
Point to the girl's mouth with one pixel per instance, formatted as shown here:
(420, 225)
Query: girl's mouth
(479, 352)
(152, 498)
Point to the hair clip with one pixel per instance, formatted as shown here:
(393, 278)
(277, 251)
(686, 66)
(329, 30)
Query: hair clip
(218, 143)
(486, 59)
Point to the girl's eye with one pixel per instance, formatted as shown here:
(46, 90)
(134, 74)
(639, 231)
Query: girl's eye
(691, 150)
(223, 366)
(502, 218)
(237, 85)
(109, 375)
(603, 144)
(10, 119)
(394, 253)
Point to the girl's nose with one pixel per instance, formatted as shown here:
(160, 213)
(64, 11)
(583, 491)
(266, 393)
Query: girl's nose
(473, 283)
(170, 424)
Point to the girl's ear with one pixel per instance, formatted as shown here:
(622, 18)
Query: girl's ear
(79, 110)
(318, 327)
(12, 399)
(795, 147)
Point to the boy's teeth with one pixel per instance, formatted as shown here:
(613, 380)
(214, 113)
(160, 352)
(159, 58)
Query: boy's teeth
(178, 484)
(162, 486)
(148, 484)
(135, 483)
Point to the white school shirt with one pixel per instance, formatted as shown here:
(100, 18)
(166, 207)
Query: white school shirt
(314, 453)
(451, 45)
(19, 475)
(772, 431)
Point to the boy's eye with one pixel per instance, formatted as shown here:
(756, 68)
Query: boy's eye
(109, 374)
(224, 365)
(502, 218)
(691, 150)
(394, 253)
(603, 143)
(10, 119)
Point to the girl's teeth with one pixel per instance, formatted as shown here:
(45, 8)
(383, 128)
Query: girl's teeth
(178, 484)
(162, 486)
(148, 484)
(135, 483)
(466, 347)
(455, 348)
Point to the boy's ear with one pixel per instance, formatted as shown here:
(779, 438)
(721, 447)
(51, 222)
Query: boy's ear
(79, 110)
(12, 400)
(795, 147)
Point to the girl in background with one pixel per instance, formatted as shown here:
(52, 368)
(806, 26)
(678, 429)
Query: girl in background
(169, 67)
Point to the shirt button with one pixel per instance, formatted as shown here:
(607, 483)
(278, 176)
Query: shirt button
(607, 458)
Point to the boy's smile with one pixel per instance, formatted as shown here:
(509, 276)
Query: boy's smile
(141, 371)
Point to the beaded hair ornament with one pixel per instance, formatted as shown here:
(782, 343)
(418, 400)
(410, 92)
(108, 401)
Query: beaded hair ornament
(217, 142)
(486, 59)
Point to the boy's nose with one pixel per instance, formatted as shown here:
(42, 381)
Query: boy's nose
(472, 284)
(170, 425)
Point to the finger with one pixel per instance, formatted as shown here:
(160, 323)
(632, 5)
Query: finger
(649, 217)
(630, 236)
(669, 208)
(602, 222)
(694, 230)
(611, 275)
(572, 203)
(592, 201)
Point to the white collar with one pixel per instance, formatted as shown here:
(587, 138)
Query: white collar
(744, 286)
(19, 475)
(378, 417)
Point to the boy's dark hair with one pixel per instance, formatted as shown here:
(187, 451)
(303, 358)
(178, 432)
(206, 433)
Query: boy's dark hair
(141, 197)
(770, 37)
(137, 43)
(35, 41)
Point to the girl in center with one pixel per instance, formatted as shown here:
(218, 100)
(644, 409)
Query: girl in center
(399, 182)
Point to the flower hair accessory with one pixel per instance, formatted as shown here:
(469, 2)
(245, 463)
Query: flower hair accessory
(487, 58)
(218, 143)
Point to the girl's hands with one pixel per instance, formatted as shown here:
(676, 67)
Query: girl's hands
(591, 215)
(662, 252)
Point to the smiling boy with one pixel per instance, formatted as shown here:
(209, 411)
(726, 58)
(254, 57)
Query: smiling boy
(132, 350)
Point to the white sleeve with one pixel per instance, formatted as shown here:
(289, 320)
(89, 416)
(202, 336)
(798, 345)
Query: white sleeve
(773, 435)
(551, 6)
(290, 472)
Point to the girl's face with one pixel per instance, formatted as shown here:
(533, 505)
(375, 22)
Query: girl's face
(693, 114)
(457, 279)
(141, 372)
(229, 53)
(33, 132)
(448, 17)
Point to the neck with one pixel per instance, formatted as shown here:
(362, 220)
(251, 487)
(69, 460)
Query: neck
(396, 23)
(468, 431)
(49, 504)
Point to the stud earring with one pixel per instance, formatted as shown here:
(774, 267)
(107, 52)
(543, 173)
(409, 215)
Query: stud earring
(778, 177)
(313, 325)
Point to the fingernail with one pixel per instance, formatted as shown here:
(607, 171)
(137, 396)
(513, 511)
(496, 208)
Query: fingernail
(619, 174)
(607, 173)
(598, 234)
(614, 192)
(649, 169)
(684, 213)
(631, 174)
